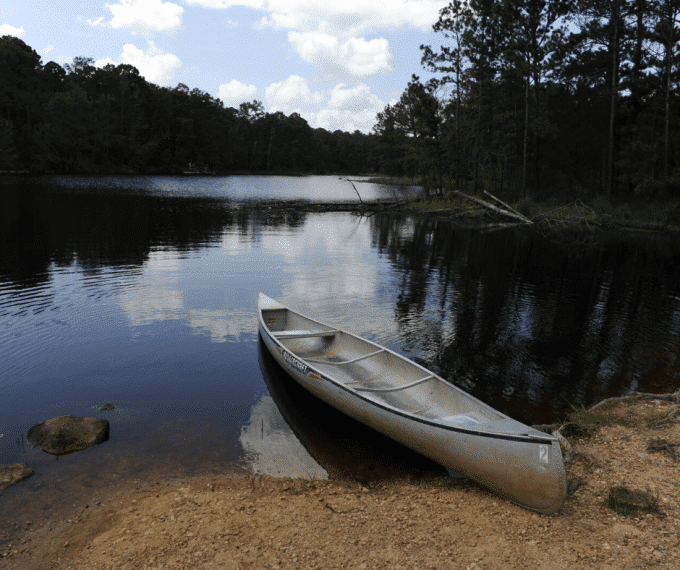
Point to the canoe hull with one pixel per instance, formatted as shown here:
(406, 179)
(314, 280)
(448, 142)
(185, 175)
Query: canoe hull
(527, 470)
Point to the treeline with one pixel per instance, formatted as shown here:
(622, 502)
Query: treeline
(82, 119)
(545, 97)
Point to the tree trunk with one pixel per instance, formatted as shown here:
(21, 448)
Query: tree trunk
(616, 13)
(494, 208)
(269, 149)
(670, 44)
(526, 140)
(666, 140)
(637, 56)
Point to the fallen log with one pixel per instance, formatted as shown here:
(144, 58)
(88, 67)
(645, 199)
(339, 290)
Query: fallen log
(508, 207)
(492, 207)
(674, 397)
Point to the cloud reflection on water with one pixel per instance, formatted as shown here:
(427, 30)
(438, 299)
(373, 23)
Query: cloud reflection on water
(331, 272)
(271, 447)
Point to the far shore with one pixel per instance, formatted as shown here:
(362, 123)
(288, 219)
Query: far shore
(552, 215)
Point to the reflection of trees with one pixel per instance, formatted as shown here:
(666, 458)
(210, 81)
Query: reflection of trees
(42, 226)
(525, 326)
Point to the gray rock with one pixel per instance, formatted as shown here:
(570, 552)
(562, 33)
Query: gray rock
(12, 474)
(68, 434)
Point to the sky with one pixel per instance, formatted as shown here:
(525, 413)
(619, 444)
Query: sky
(335, 62)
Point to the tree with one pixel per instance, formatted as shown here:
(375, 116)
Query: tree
(537, 33)
(82, 118)
(603, 26)
(666, 32)
(19, 89)
(451, 61)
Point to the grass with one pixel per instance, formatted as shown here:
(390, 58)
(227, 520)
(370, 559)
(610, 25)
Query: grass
(633, 214)
(584, 423)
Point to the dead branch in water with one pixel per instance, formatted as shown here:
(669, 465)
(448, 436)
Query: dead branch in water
(575, 213)
(492, 207)
(355, 188)
(507, 207)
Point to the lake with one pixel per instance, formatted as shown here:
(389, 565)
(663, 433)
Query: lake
(142, 291)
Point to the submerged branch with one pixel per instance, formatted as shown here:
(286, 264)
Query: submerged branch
(355, 189)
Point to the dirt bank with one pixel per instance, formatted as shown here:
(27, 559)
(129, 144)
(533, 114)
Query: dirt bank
(446, 523)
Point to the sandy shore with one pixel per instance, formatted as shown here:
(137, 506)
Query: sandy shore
(261, 522)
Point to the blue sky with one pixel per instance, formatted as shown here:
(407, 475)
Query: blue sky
(336, 62)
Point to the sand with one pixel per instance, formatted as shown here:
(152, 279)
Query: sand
(265, 523)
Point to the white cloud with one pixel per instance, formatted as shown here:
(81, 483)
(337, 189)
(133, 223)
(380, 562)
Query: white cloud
(349, 17)
(47, 50)
(234, 93)
(7, 30)
(359, 97)
(349, 109)
(355, 57)
(271, 447)
(258, 4)
(330, 34)
(143, 15)
(155, 65)
(290, 95)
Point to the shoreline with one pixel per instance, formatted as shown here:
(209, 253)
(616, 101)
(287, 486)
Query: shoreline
(551, 216)
(262, 522)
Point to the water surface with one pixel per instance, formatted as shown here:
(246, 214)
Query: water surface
(142, 291)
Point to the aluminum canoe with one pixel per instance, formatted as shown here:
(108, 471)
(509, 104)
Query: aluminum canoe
(417, 408)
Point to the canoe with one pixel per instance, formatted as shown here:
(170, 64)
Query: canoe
(417, 408)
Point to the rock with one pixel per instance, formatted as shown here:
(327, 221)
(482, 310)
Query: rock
(107, 408)
(68, 434)
(12, 474)
(629, 501)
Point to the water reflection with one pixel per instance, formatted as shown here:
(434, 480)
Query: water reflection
(528, 325)
(271, 447)
(234, 188)
(524, 323)
(343, 447)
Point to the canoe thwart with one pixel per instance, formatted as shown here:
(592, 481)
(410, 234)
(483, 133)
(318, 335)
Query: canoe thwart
(357, 359)
(398, 388)
(303, 334)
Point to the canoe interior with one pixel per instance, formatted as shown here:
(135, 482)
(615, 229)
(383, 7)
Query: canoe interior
(384, 376)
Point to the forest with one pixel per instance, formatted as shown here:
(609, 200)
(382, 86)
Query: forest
(541, 98)
(528, 99)
(83, 119)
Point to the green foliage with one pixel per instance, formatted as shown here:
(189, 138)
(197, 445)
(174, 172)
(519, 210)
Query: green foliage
(9, 157)
(81, 118)
(547, 98)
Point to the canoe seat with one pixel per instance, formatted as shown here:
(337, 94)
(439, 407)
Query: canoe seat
(303, 334)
